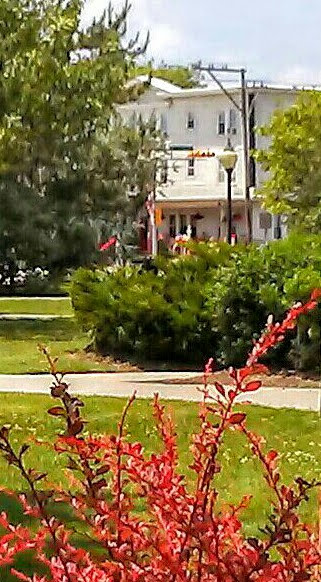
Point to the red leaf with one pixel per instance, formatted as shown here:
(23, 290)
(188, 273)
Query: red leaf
(276, 478)
(125, 534)
(316, 294)
(220, 388)
(237, 418)
(75, 428)
(271, 455)
(57, 411)
(251, 370)
(108, 244)
(252, 386)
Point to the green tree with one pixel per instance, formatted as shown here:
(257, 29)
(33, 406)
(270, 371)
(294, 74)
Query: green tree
(58, 88)
(293, 159)
(183, 77)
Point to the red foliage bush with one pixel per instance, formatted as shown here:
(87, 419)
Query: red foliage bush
(181, 536)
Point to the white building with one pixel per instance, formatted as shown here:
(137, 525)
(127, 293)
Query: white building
(203, 118)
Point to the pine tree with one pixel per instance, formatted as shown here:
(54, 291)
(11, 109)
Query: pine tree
(63, 165)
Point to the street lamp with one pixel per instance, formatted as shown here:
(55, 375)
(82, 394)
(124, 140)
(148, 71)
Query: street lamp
(228, 160)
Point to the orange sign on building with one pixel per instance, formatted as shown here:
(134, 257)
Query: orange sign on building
(158, 216)
(201, 154)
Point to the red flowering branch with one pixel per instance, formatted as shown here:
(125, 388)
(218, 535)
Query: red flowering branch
(275, 333)
(180, 536)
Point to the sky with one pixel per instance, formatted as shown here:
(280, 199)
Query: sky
(276, 40)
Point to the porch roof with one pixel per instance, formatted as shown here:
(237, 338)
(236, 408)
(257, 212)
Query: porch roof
(199, 203)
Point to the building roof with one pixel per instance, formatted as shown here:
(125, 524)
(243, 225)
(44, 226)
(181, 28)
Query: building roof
(159, 84)
(235, 87)
(166, 90)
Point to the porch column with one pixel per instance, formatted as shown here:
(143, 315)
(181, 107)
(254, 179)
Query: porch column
(221, 216)
(177, 223)
(189, 224)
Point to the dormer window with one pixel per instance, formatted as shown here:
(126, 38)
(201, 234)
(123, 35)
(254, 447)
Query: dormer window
(221, 123)
(190, 121)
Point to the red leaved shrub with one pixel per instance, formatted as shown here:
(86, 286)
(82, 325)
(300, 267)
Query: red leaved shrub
(181, 536)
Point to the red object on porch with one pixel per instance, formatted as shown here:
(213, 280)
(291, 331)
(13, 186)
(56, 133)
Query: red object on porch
(108, 244)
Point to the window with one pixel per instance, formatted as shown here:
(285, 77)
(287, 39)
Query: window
(191, 167)
(221, 123)
(221, 174)
(164, 172)
(265, 220)
(233, 123)
(133, 120)
(234, 175)
(172, 225)
(190, 121)
(163, 123)
(182, 224)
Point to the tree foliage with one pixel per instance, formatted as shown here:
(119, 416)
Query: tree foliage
(61, 152)
(293, 160)
(183, 77)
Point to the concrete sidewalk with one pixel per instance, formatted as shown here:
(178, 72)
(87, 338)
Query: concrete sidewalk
(32, 316)
(147, 383)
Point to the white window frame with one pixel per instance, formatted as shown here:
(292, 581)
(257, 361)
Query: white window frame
(221, 174)
(234, 174)
(163, 123)
(164, 172)
(221, 121)
(232, 121)
(191, 167)
(190, 121)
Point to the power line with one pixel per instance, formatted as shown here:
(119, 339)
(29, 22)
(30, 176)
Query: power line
(243, 109)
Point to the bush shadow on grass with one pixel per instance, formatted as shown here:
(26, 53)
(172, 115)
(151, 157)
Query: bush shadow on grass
(56, 330)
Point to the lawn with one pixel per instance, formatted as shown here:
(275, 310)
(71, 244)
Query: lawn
(19, 352)
(60, 306)
(295, 434)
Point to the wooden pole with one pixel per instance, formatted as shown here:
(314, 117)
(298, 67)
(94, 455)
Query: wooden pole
(246, 157)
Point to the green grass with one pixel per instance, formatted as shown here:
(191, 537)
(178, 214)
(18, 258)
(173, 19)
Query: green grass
(295, 434)
(19, 352)
(37, 306)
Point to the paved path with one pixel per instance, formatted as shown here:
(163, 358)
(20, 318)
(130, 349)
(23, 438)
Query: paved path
(32, 316)
(22, 298)
(38, 316)
(146, 384)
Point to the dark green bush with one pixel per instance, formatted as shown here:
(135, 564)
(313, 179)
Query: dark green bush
(208, 303)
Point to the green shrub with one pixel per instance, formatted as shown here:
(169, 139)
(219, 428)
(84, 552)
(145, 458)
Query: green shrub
(212, 301)
(257, 282)
(135, 312)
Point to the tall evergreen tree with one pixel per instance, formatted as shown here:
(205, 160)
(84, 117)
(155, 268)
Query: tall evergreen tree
(61, 170)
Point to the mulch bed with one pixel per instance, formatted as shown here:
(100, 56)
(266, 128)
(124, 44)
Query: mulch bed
(272, 380)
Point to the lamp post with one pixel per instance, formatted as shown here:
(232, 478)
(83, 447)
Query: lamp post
(228, 160)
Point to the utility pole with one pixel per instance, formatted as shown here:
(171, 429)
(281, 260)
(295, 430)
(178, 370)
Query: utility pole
(243, 110)
(245, 130)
